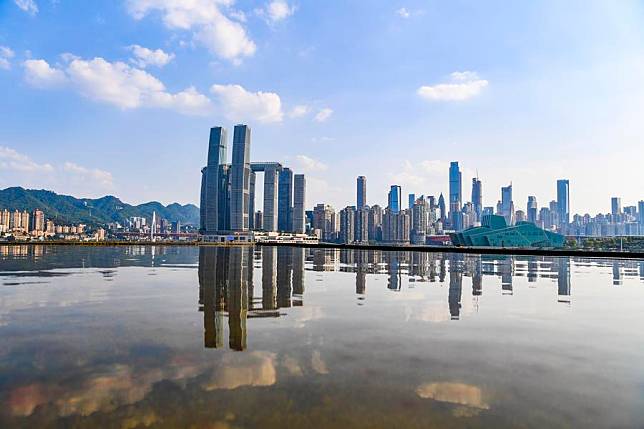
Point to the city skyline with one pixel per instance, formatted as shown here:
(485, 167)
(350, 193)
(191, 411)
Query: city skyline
(546, 105)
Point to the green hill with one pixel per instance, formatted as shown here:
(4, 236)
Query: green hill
(65, 209)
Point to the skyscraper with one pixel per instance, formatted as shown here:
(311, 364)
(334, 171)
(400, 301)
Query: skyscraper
(507, 205)
(211, 183)
(531, 209)
(395, 195)
(347, 224)
(285, 200)
(240, 179)
(441, 208)
(563, 201)
(412, 200)
(361, 198)
(299, 201)
(455, 194)
(477, 198)
(616, 206)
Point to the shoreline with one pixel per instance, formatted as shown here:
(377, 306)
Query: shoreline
(382, 247)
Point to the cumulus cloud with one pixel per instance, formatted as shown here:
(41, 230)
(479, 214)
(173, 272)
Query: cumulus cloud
(239, 104)
(461, 86)
(28, 6)
(212, 28)
(308, 164)
(5, 55)
(323, 114)
(40, 74)
(144, 57)
(277, 10)
(116, 83)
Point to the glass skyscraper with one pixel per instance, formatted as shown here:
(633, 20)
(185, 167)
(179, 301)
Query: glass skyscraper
(563, 201)
(455, 194)
(213, 179)
(394, 200)
(285, 200)
(477, 197)
(240, 179)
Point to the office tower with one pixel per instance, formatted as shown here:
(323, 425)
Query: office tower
(347, 224)
(477, 198)
(640, 212)
(240, 180)
(455, 195)
(211, 184)
(375, 223)
(324, 220)
(361, 197)
(394, 199)
(563, 201)
(271, 184)
(531, 209)
(299, 201)
(616, 206)
(412, 200)
(285, 200)
(361, 234)
(507, 205)
(441, 208)
(251, 201)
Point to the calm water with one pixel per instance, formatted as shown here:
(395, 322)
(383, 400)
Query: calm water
(277, 337)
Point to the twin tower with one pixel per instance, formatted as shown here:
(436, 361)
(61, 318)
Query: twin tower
(228, 191)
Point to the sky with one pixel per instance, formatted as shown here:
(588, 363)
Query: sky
(118, 97)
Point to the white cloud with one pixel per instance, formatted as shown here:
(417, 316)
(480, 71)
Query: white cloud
(308, 164)
(222, 36)
(18, 169)
(38, 73)
(104, 178)
(238, 104)
(299, 111)
(278, 10)
(5, 55)
(116, 83)
(28, 6)
(403, 12)
(461, 86)
(12, 160)
(323, 114)
(144, 57)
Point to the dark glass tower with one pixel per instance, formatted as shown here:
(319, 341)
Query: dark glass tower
(214, 184)
(240, 179)
(361, 198)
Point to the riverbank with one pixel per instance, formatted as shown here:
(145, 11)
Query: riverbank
(383, 247)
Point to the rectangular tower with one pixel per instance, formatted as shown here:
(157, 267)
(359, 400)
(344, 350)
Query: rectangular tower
(455, 194)
(563, 201)
(361, 198)
(285, 200)
(299, 201)
(271, 183)
(240, 179)
(211, 183)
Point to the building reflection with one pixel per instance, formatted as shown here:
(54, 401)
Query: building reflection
(226, 287)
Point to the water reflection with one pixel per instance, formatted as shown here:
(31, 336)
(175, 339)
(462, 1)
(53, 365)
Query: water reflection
(292, 337)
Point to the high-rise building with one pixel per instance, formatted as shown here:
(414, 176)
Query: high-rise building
(441, 208)
(285, 200)
(37, 222)
(640, 212)
(361, 197)
(563, 201)
(507, 205)
(324, 221)
(361, 234)
(455, 195)
(375, 223)
(531, 209)
(299, 201)
(616, 206)
(477, 198)
(396, 226)
(394, 199)
(240, 180)
(347, 224)
(271, 191)
(412, 200)
(214, 184)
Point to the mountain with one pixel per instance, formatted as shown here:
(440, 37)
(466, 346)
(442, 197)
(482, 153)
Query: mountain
(65, 209)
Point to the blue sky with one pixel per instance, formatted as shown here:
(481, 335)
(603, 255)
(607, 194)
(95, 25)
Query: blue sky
(117, 97)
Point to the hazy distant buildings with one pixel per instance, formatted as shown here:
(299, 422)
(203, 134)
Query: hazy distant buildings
(616, 206)
(477, 198)
(506, 208)
(531, 209)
